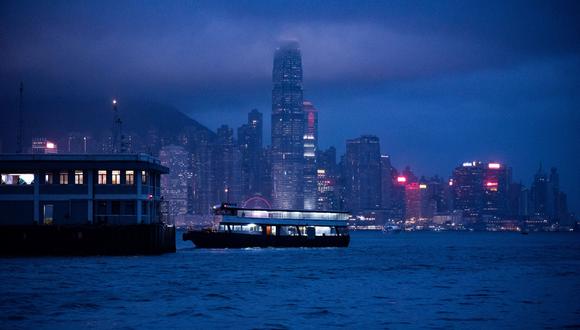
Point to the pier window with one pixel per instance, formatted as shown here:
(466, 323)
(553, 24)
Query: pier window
(130, 177)
(17, 178)
(79, 177)
(48, 178)
(102, 177)
(63, 177)
(144, 177)
(115, 177)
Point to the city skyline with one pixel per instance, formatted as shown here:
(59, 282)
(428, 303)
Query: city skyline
(290, 164)
(468, 107)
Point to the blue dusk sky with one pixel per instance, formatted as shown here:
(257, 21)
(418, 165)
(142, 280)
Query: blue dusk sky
(439, 82)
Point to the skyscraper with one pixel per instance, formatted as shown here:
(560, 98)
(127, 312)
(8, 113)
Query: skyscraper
(468, 188)
(497, 179)
(386, 182)
(310, 150)
(481, 189)
(250, 145)
(204, 181)
(327, 180)
(287, 128)
(175, 186)
(418, 202)
(362, 177)
(226, 163)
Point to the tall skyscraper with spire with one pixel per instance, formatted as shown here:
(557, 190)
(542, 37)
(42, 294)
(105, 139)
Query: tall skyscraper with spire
(287, 128)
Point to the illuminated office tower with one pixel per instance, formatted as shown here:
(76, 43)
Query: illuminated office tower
(310, 150)
(419, 204)
(287, 128)
(468, 188)
(327, 180)
(497, 179)
(175, 185)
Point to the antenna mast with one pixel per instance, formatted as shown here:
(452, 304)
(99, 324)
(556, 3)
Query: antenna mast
(118, 137)
(116, 122)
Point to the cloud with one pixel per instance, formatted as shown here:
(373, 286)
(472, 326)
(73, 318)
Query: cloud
(178, 47)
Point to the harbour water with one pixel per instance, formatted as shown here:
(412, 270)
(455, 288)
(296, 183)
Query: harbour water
(406, 280)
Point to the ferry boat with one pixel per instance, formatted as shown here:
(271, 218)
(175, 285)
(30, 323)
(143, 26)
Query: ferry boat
(237, 227)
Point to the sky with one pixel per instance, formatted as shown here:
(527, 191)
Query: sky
(439, 82)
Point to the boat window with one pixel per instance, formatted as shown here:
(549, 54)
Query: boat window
(323, 231)
(312, 215)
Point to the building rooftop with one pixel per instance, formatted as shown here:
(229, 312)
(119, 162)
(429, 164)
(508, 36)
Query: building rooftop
(26, 160)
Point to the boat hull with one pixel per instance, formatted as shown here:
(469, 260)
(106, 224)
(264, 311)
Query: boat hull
(220, 240)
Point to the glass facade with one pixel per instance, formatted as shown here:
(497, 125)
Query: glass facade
(287, 128)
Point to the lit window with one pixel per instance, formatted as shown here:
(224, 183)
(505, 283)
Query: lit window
(102, 177)
(17, 179)
(144, 177)
(79, 177)
(116, 177)
(48, 178)
(64, 177)
(130, 177)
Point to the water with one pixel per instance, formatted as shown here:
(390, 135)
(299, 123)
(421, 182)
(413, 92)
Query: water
(406, 280)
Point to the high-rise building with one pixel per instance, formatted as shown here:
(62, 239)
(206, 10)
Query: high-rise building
(481, 189)
(440, 192)
(203, 175)
(175, 186)
(287, 128)
(362, 179)
(468, 188)
(250, 145)
(546, 198)
(310, 150)
(267, 172)
(497, 180)
(386, 182)
(397, 197)
(518, 200)
(226, 163)
(541, 194)
(327, 180)
(418, 202)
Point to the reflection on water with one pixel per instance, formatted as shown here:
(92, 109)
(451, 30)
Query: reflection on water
(404, 280)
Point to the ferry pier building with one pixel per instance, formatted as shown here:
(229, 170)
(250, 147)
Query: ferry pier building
(82, 204)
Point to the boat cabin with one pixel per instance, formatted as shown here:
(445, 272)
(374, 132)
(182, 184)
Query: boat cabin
(231, 219)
